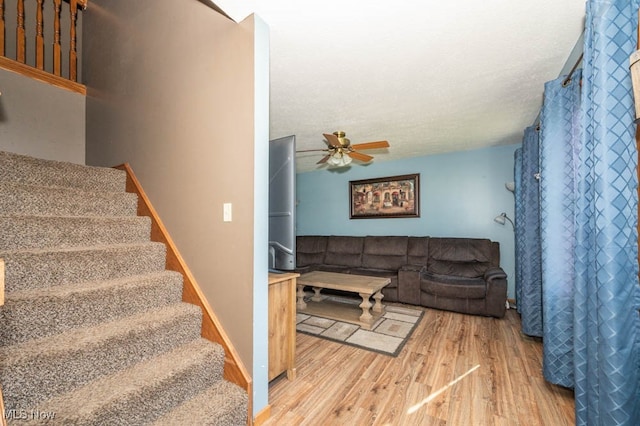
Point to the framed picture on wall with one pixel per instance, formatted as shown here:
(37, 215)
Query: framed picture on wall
(386, 197)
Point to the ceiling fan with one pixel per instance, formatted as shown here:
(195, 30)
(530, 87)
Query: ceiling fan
(340, 151)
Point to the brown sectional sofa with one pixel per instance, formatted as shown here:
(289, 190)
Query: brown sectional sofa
(456, 274)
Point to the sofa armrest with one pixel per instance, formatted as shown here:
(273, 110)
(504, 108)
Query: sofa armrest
(409, 283)
(494, 273)
(496, 280)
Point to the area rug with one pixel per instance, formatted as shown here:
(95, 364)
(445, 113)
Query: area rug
(388, 336)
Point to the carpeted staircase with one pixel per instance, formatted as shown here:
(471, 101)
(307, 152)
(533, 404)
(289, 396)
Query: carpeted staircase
(93, 330)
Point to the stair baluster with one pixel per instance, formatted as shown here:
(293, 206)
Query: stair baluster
(57, 53)
(2, 28)
(39, 36)
(73, 57)
(20, 34)
(34, 63)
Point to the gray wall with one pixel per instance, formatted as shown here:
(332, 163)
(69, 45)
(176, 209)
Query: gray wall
(171, 90)
(41, 120)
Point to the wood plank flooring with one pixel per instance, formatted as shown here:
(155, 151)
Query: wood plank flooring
(455, 370)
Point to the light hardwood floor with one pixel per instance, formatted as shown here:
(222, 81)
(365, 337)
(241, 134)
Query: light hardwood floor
(455, 370)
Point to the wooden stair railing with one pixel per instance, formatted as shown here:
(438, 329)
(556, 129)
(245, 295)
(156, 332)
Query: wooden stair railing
(234, 369)
(37, 70)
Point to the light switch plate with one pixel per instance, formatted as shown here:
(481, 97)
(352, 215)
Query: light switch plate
(227, 212)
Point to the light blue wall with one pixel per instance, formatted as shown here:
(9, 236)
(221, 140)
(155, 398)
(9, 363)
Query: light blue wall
(460, 194)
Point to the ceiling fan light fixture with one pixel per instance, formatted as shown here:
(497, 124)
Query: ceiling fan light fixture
(340, 152)
(338, 159)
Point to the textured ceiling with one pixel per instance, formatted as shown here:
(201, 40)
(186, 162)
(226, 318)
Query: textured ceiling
(428, 76)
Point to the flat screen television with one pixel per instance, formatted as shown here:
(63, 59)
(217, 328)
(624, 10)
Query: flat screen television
(282, 204)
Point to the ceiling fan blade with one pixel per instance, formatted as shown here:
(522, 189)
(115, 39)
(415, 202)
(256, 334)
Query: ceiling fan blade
(332, 139)
(324, 159)
(360, 156)
(312, 150)
(371, 145)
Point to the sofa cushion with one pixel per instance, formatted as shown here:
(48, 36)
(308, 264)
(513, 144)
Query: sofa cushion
(385, 252)
(418, 250)
(459, 269)
(344, 251)
(453, 287)
(310, 249)
(460, 249)
(333, 268)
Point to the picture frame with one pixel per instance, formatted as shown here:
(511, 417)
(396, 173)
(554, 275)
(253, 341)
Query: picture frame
(385, 197)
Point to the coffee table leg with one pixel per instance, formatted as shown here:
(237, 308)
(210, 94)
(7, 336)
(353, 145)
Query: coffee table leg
(300, 303)
(366, 306)
(316, 297)
(378, 307)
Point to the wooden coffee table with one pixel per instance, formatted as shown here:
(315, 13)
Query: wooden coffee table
(364, 285)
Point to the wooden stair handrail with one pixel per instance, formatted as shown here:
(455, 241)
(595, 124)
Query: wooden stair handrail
(234, 369)
(45, 77)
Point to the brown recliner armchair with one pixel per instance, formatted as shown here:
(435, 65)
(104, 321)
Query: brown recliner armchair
(464, 275)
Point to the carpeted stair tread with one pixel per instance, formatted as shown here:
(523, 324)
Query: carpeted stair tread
(34, 314)
(33, 232)
(31, 269)
(34, 171)
(223, 404)
(146, 390)
(93, 328)
(41, 368)
(47, 201)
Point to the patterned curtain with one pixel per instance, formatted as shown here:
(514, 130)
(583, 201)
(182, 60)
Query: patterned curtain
(559, 134)
(606, 290)
(529, 286)
(518, 220)
(589, 299)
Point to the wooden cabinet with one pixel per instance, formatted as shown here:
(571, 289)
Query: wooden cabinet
(282, 325)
